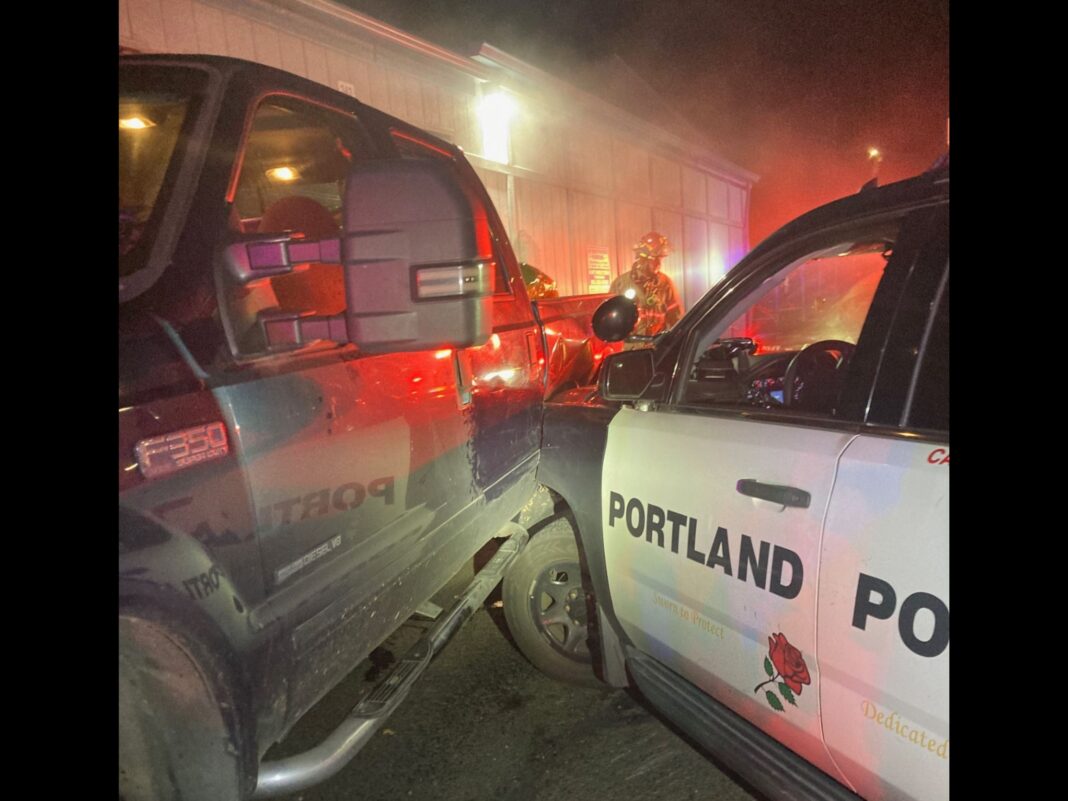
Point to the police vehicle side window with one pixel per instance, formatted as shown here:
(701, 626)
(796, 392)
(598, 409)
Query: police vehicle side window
(294, 165)
(788, 346)
(929, 408)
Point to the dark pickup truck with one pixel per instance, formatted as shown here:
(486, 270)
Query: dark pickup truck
(331, 386)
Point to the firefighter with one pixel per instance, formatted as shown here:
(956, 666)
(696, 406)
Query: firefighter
(654, 293)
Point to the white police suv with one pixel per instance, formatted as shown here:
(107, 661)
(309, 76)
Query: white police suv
(752, 515)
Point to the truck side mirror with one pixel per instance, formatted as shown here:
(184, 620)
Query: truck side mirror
(418, 258)
(615, 318)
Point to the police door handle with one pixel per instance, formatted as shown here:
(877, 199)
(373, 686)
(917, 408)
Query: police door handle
(787, 496)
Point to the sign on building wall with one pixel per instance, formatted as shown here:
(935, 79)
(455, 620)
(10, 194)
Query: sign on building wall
(599, 270)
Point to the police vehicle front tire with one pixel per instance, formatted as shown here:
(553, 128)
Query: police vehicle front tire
(547, 606)
(174, 742)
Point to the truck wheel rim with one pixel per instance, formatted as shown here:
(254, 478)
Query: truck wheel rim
(558, 607)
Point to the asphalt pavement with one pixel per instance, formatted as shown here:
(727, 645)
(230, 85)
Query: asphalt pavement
(482, 723)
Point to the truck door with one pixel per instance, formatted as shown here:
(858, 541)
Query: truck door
(715, 500)
(501, 381)
(358, 465)
(883, 608)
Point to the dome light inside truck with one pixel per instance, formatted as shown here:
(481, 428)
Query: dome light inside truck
(135, 123)
(283, 174)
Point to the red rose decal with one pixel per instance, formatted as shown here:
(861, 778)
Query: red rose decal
(788, 662)
(785, 666)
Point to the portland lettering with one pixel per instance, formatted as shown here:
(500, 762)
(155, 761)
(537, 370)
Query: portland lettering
(775, 569)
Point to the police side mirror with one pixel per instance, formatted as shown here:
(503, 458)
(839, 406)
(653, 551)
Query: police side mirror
(418, 259)
(615, 318)
(629, 376)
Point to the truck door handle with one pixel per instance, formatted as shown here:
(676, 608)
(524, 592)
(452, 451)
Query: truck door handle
(787, 496)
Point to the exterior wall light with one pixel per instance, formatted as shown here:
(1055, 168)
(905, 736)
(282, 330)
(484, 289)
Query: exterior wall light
(495, 113)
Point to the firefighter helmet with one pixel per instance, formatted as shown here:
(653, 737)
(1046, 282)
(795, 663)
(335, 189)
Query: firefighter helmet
(653, 246)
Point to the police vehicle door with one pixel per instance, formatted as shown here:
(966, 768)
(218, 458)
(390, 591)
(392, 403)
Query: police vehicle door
(883, 614)
(715, 499)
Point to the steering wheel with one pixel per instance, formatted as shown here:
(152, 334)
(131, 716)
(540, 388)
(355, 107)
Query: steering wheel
(813, 377)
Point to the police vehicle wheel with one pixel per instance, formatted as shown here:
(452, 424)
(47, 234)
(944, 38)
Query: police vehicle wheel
(547, 606)
(174, 742)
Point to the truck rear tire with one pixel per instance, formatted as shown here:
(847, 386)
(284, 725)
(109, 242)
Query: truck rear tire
(547, 605)
(174, 742)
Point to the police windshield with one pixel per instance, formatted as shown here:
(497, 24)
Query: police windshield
(825, 297)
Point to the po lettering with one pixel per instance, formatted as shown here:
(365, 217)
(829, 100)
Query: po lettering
(876, 598)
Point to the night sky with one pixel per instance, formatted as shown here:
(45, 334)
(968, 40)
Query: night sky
(794, 90)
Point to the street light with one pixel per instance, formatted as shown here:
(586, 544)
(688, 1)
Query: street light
(875, 156)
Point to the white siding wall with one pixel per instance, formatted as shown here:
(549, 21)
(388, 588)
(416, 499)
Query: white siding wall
(719, 251)
(592, 228)
(696, 257)
(542, 227)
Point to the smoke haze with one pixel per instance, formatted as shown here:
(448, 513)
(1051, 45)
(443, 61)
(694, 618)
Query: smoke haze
(796, 91)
